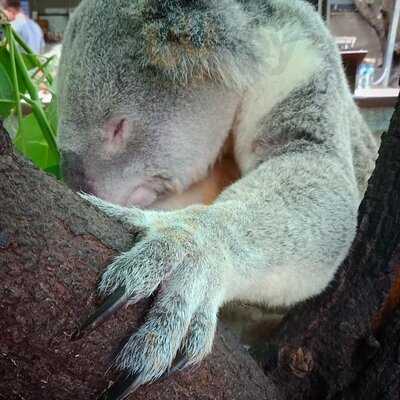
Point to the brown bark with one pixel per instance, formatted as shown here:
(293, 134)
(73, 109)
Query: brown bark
(53, 247)
(380, 380)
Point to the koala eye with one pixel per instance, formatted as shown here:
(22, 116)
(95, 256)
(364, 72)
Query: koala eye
(116, 131)
(120, 128)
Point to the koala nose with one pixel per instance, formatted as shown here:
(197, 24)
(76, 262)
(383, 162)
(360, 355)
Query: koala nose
(73, 172)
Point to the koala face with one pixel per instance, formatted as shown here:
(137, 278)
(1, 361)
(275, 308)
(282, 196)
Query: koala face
(126, 135)
(152, 144)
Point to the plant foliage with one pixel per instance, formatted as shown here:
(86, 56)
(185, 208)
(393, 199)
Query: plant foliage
(23, 75)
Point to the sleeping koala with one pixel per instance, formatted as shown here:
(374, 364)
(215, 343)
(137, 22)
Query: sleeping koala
(150, 93)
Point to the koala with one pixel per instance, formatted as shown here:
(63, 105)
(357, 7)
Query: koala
(150, 92)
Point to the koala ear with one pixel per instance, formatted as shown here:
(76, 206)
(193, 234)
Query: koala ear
(188, 40)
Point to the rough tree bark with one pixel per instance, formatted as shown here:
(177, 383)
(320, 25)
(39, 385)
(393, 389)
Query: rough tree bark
(343, 344)
(380, 380)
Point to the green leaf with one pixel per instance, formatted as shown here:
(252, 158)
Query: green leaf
(55, 171)
(7, 97)
(31, 143)
(31, 61)
(5, 62)
(52, 114)
(6, 86)
(5, 108)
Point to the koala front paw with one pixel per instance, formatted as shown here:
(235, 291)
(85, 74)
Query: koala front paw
(180, 327)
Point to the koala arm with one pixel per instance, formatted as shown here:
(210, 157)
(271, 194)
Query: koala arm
(288, 223)
(285, 228)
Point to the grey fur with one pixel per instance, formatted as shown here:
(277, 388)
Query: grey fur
(183, 74)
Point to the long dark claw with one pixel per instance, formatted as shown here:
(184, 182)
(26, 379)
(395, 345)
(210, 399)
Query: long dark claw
(179, 364)
(110, 306)
(129, 383)
(121, 389)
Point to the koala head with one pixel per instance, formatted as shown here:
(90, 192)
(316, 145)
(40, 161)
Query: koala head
(145, 100)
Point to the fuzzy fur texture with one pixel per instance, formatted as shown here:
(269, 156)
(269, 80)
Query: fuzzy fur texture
(149, 92)
(187, 40)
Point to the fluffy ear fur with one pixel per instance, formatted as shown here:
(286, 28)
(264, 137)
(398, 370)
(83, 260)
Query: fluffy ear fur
(196, 39)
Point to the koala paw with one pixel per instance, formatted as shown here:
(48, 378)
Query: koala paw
(180, 327)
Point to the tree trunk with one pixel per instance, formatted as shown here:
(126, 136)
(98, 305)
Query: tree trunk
(53, 247)
(326, 345)
(52, 250)
(380, 379)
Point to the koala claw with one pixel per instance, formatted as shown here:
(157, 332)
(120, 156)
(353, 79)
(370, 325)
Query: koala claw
(181, 362)
(125, 385)
(128, 383)
(109, 307)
